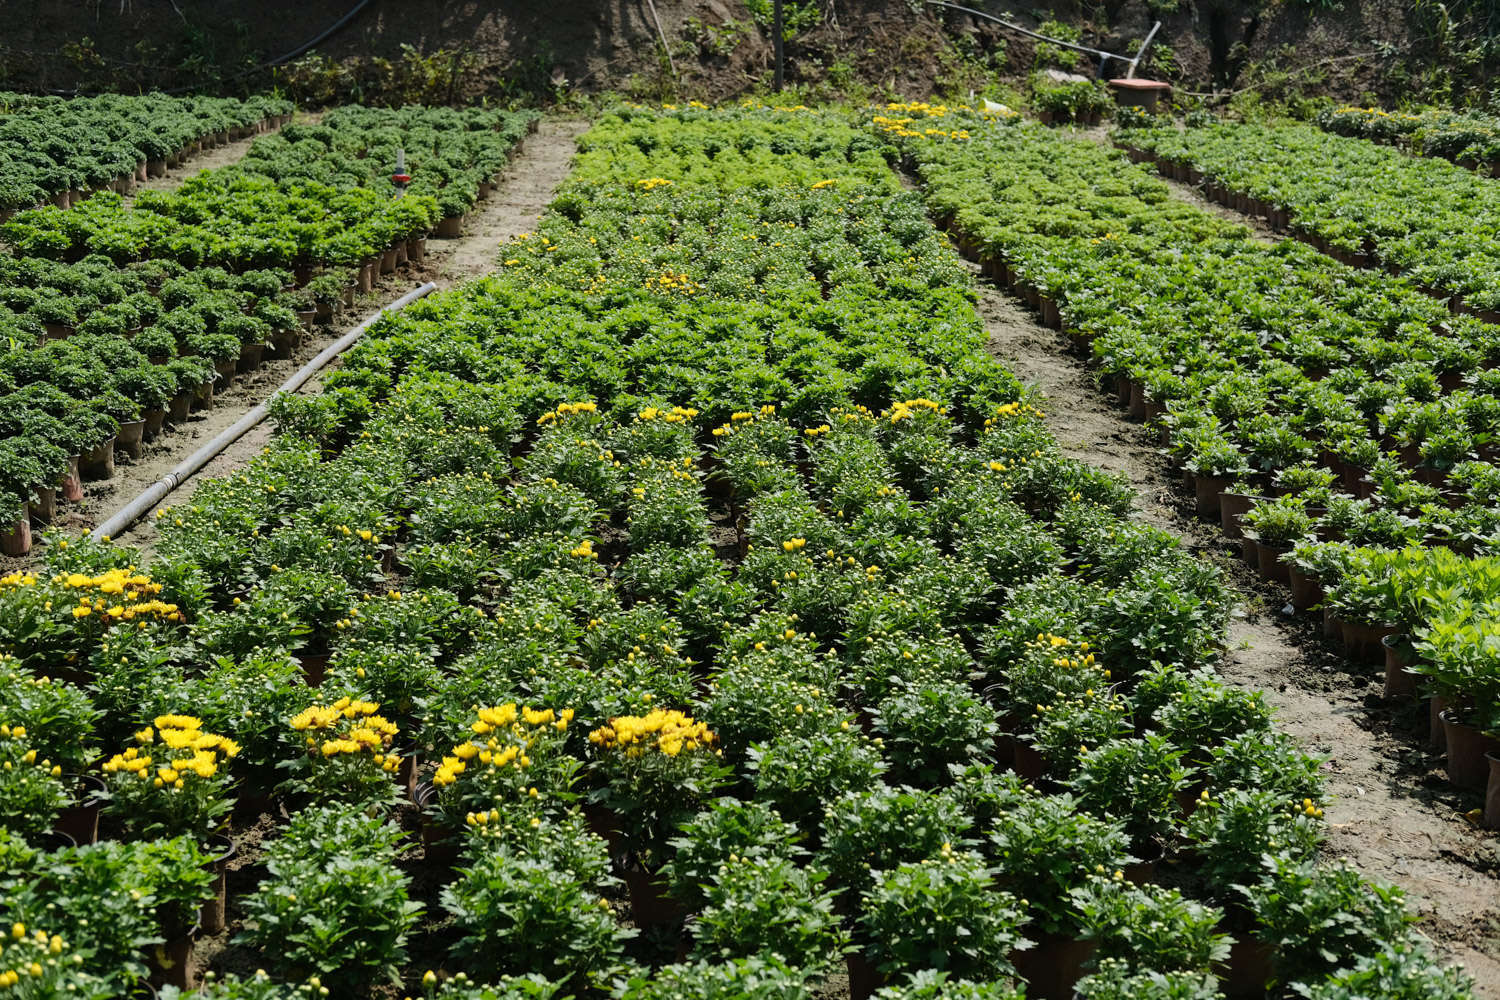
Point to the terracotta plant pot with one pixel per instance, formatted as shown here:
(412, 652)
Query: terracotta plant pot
(98, 463)
(211, 915)
(1492, 792)
(81, 819)
(132, 433)
(1467, 747)
(1053, 965)
(1400, 683)
(15, 536)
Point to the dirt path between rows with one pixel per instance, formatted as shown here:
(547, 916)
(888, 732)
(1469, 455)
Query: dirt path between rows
(515, 206)
(1393, 814)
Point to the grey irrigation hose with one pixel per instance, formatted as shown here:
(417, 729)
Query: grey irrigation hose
(127, 515)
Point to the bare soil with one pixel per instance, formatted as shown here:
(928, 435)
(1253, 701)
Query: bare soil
(1393, 814)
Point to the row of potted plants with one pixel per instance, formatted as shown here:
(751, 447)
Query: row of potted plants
(1256, 450)
(1365, 203)
(728, 671)
(1469, 138)
(65, 150)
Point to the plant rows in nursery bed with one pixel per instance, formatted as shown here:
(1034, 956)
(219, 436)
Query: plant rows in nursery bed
(1363, 202)
(693, 610)
(63, 150)
(1469, 138)
(1331, 418)
(119, 320)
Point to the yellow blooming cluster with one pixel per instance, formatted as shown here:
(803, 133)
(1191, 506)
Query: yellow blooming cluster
(743, 417)
(672, 281)
(506, 736)
(676, 415)
(26, 959)
(666, 731)
(567, 410)
(584, 550)
(189, 753)
(28, 757)
(652, 183)
(825, 184)
(908, 409)
(1011, 410)
(909, 113)
(348, 728)
(117, 595)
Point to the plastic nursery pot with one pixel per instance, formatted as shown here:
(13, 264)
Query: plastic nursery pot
(1233, 507)
(15, 535)
(98, 463)
(80, 820)
(416, 248)
(1208, 491)
(132, 433)
(406, 775)
(1400, 683)
(250, 358)
(650, 904)
(367, 277)
(1437, 737)
(439, 841)
(155, 420)
(1492, 791)
(388, 262)
(177, 410)
(211, 915)
(1249, 965)
(284, 342)
(171, 962)
(1053, 965)
(1306, 590)
(314, 666)
(1272, 569)
(402, 257)
(70, 485)
(57, 331)
(1027, 760)
(1467, 747)
(306, 316)
(226, 370)
(449, 228)
(1363, 641)
(863, 979)
(1143, 869)
(203, 396)
(44, 508)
